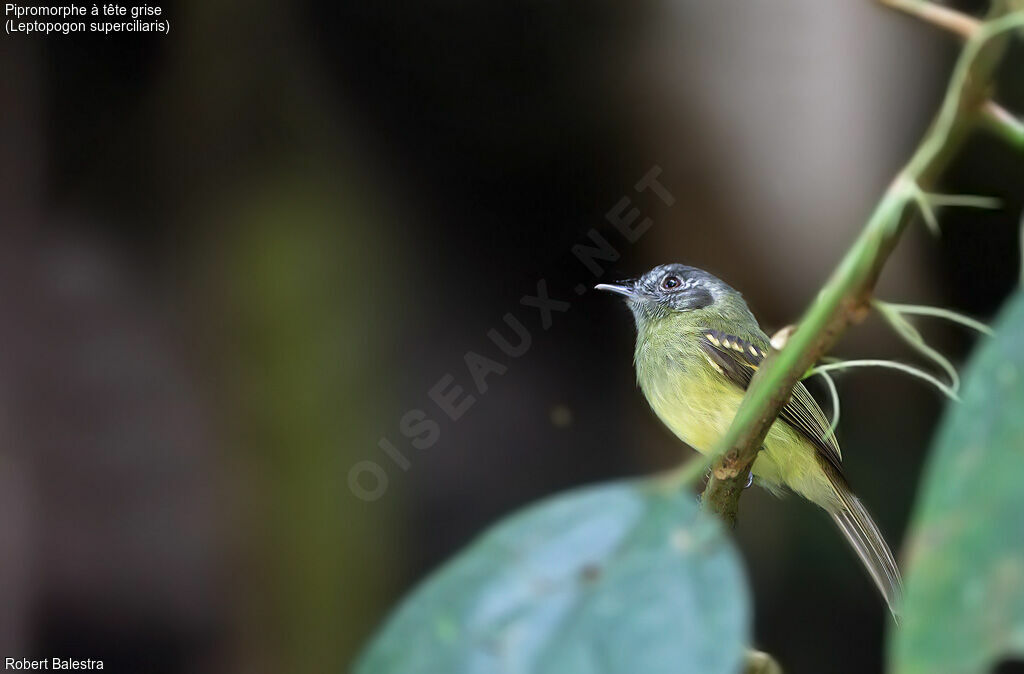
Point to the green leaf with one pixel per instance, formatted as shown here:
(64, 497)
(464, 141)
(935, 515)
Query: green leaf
(627, 577)
(964, 607)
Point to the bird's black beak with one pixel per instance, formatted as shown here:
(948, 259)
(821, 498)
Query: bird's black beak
(624, 288)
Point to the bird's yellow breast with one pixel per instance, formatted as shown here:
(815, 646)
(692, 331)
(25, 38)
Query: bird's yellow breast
(699, 408)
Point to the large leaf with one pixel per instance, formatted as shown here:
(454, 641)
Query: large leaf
(619, 578)
(964, 606)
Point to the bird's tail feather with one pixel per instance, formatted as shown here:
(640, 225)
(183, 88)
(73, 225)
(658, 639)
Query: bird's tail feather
(866, 540)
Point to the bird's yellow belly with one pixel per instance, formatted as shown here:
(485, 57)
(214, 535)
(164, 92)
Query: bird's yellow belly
(699, 411)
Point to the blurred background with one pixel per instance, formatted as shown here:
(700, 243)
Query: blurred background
(236, 257)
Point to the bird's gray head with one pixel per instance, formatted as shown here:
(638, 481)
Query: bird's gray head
(670, 289)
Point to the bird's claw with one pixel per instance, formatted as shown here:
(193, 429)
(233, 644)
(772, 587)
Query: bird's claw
(750, 481)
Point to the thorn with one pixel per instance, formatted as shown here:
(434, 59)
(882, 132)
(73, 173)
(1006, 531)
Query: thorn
(963, 200)
(925, 207)
(955, 22)
(780, 338)
(1003, 123)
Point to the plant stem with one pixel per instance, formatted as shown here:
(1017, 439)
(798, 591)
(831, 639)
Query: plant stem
(846, 296)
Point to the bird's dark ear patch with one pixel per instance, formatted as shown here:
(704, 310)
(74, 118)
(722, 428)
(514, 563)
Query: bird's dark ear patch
(698, 298)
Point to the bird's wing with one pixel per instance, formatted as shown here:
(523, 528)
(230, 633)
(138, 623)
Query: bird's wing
(738, 359)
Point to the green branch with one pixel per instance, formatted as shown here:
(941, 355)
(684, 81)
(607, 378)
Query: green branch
(846, 297)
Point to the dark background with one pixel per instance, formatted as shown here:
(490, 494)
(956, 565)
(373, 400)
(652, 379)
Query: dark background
(235, 256)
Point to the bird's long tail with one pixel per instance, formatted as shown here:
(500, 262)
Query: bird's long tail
(865, 538)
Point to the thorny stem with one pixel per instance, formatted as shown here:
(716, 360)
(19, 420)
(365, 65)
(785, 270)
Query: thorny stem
(845, 298)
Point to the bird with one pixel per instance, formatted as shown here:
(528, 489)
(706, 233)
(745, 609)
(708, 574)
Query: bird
(698, 346)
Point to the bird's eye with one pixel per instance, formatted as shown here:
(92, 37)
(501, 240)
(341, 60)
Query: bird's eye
(671, 282)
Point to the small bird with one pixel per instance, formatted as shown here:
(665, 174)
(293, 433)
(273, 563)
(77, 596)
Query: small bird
(697, 348)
